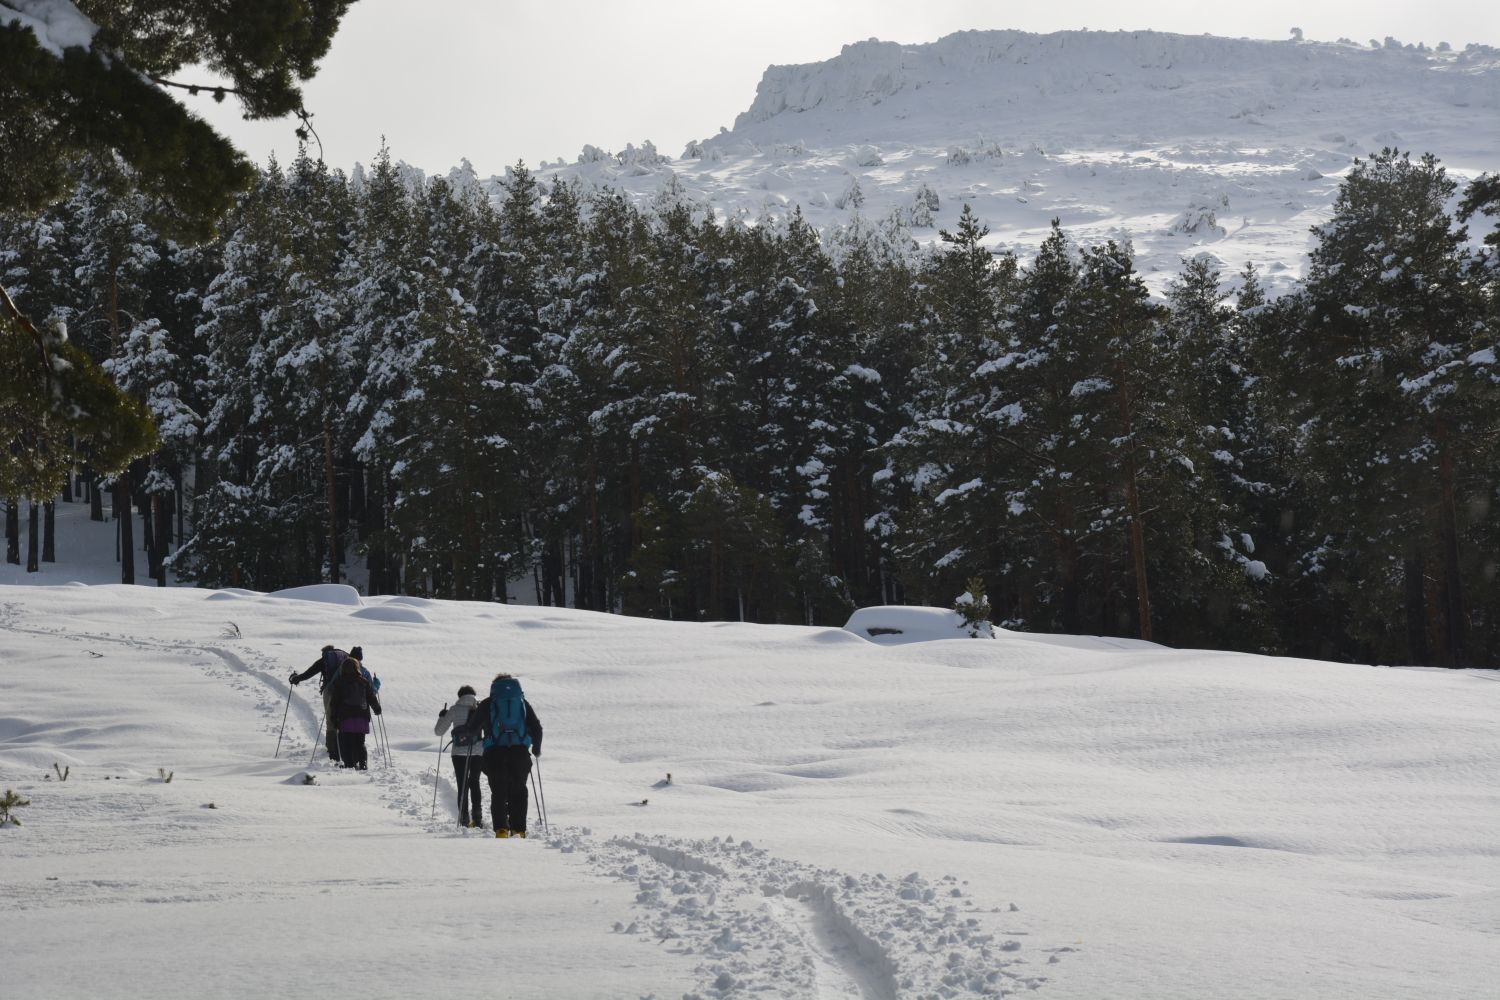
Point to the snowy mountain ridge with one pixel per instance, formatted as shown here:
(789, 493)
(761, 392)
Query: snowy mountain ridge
(1021, 64)
(1183, 145)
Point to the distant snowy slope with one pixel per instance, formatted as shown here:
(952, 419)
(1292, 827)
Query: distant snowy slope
(1183, 144)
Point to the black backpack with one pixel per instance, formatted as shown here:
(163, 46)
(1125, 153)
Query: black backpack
(466, 734)
(351, 693)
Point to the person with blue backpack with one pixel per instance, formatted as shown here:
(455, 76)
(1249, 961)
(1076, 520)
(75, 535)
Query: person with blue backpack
(468, 754)
(511, 735)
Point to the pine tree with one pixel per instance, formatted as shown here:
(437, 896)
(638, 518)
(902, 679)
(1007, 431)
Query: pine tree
(1397, 420)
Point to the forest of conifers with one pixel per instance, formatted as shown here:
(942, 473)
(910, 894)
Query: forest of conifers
(439, 389)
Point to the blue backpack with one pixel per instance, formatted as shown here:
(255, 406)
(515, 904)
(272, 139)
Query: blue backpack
(507, 715)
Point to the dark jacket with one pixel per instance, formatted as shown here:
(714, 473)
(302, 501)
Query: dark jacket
(533, 728)
(351, 700)
(326, 665)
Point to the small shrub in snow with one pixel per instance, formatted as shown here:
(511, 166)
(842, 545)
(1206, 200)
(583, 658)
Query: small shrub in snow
(62, 772)
(9, 801)
(974, 607)
(853, 196)
(984, 149)
(165, 775)
(868, 156)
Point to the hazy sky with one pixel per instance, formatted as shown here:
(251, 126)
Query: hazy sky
(498, 81)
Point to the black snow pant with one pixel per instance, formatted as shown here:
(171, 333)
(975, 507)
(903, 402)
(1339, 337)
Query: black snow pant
(466, 772)
(332, 736)
(508, 768)
(352, 750)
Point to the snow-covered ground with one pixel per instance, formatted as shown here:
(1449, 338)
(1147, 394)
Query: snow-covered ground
(1184, 145)
(1087, 818)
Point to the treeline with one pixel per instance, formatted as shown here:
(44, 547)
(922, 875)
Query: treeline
(643, 410)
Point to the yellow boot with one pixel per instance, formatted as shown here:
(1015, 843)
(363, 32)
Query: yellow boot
(502, 832)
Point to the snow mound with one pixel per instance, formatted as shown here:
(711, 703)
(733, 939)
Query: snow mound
(894, 624)
(322, 593)
(391, 614)
(412, 602)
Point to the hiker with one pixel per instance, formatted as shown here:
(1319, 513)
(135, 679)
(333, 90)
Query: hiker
(358, 652)
(509, 729)
(352, 699)
(468, 754)
(327, 664)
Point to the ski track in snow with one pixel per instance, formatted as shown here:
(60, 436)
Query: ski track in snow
(761, 925)
(764, 925)
(262, 679)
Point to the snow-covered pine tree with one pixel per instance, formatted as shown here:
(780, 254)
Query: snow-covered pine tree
(1399, 420)
(114, 252)
(381, 279)
(952, 448)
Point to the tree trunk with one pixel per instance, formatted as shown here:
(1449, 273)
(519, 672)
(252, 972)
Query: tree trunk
(163, 529)
(33, 538)
(1416, 610)
(374, 523)
(333, 509)
(1453, 596)
(13, 532)
(148, 535)
(49, 532)
(1137, 529)
(96, 498)
(126, 522)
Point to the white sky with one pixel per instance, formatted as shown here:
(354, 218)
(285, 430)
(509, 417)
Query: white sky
(536, 79)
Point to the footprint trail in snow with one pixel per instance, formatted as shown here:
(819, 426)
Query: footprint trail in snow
(770, 926)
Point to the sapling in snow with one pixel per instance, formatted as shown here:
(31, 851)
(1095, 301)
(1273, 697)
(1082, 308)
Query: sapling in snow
(10, 800)
(974, 607)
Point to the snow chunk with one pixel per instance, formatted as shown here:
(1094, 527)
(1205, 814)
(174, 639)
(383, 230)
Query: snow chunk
(390, 613)
(894, 625)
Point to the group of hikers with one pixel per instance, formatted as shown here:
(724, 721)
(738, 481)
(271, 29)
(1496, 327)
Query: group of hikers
(497, 737)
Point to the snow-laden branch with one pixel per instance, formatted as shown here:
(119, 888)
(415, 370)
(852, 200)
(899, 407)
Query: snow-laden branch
(57, 24)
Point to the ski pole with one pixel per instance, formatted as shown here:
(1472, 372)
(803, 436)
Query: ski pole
(283, 720)
(317, 740)
(383, 741)
(437, 776)
(541, 799)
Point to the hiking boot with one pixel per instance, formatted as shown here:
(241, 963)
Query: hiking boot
(518, 833)
(502, 832)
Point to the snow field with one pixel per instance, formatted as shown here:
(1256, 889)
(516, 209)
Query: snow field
(951, 818)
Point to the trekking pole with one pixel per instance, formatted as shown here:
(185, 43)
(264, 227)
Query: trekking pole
(383, 741)
(541, 800)
(317, 740)
(437, 775)
(283, 720)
